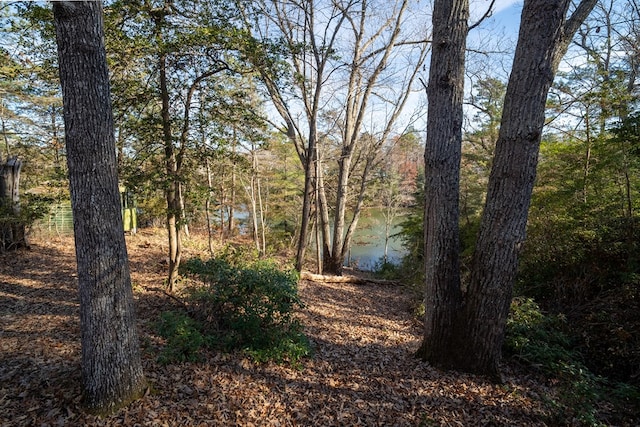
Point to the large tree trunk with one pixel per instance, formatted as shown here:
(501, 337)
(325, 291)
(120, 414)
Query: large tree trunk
(111, 367)
(545, 34)
(12, 231)
(442, 171)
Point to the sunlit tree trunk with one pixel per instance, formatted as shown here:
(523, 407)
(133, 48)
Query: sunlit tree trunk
(184, 224)
(231, 222)
(172, 183)
(207, 206)
(12, 233)
(308, 162)
(111, 366)
(261, 213)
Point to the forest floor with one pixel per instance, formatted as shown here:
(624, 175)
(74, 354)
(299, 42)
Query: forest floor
(362, 372)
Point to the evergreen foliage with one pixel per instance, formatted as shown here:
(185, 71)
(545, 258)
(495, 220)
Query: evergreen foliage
(236, 306)
(184, 339)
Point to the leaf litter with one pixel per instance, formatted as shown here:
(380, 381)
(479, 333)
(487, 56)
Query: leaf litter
(362, 372)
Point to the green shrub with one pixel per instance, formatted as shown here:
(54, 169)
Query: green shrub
(386, 269)
(249, 308)
(536, 338)
(540, 340)
(183, 336)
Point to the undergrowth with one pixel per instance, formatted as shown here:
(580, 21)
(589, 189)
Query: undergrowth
(543, 341)
(235, 306)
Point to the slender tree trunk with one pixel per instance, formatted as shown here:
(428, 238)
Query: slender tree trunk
(223, 211)
(4, 133)
(323, 206)
(318, 244)
(545, 34)
(387, 232)
(184, 224)
(232, 203)
(208, 207)
(587, 158)
(263, 239)
(442, 179)
(318, 221)
(309, 165)
(251, 192)
(111, 366)
(172, 191)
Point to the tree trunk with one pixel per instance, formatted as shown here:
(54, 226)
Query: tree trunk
(231, 222)
(309, 174)
(251, 193)
(12, 232)
(172, 191)
(207, 207)
(183, 213)
(442, 179)
(111, 367)
(322, 206)
(334, 264)
(261, 213)
(544, 37)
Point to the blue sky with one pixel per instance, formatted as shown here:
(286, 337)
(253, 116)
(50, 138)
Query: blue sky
(507, 15)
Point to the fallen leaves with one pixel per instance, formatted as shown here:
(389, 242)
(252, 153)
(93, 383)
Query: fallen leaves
(363, 372)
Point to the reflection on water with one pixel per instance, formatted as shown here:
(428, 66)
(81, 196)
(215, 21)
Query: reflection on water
(368, 241)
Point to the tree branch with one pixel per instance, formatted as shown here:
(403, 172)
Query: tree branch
(486, 15)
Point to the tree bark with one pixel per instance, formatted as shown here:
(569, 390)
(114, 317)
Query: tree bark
(309, 186)
(111, 366)
(12, 232)
(442, 171)
(172, 190)
(545, 34)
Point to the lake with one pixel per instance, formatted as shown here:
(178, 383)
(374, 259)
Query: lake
(367, 248)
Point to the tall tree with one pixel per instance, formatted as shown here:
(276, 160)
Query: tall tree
(475, 320)
(341, 56)
(111, 365)
(442, 155)
(546, 31)
(181, 47)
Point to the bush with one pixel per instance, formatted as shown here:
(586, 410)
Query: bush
(542, 341)
(184, 339)
(15, 225)
(249, 308)
(386, 269)
(536, 338)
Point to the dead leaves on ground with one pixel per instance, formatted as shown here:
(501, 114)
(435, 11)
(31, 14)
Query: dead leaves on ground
(363, 372)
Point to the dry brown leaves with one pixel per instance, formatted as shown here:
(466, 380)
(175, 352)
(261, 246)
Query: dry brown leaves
(362, 373)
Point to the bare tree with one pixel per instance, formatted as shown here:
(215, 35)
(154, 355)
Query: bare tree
(341, 55)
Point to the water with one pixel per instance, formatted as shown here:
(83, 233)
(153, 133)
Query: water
(367, 248)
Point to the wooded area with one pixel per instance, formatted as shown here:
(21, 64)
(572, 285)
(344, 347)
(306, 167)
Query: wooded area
(271, 127)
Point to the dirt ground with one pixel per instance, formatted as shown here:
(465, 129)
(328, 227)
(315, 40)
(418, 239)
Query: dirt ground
(362, 373)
